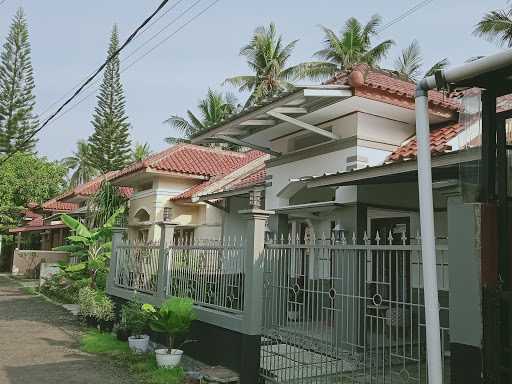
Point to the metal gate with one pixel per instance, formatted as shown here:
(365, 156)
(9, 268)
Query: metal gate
(341, 312)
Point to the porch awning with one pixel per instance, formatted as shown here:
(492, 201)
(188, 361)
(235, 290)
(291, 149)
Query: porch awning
(288, 107)
(308, 209)
(443, 167)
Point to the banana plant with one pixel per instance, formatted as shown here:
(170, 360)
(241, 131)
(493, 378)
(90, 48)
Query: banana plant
(92, 246)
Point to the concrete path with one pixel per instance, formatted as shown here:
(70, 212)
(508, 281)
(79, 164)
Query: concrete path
(39, 344)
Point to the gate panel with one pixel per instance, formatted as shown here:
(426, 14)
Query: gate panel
(347, 313)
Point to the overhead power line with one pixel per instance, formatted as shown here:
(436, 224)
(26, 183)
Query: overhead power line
(90, 79)
(142, 56)
(406, 14)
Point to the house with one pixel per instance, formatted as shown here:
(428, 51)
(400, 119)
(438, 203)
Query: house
(327, 284)
(41, 232)
(165, 184)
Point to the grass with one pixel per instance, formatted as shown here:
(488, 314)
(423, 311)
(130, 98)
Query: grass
(142, 365)
(102, 343)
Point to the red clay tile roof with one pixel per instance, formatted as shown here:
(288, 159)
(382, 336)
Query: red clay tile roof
(60, 206)
(195, 190)
(89, 188)
(439, 138)
(198, 188)
(255, 178)
(193, 160)
(363, 77)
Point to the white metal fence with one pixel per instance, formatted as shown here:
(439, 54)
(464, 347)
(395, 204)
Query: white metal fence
(209, 272)
(137, 266)
(341, 312)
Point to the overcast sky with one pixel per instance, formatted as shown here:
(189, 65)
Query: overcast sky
(69, 39)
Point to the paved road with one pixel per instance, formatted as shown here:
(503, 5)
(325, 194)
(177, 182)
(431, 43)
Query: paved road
(39, 344)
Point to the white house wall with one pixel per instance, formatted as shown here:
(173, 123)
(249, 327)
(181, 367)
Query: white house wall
(280, 175)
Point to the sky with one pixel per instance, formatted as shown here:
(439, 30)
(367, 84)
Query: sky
(69, 40)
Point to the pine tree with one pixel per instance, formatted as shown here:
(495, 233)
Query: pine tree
(17, 120)
(110, 143)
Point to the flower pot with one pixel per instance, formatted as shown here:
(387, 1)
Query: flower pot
(139, 344)
(122, 334)
(164, 359)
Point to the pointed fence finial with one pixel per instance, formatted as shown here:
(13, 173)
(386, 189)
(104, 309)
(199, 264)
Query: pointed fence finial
(343, 238)
(377, 238)
(354, 238)
(390, 238)
(403, 238)
(365, 238)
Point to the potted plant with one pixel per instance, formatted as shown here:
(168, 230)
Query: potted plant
(136, 321)
(173, 319)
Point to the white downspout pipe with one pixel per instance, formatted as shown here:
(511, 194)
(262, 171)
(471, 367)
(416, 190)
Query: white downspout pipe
(428, 245)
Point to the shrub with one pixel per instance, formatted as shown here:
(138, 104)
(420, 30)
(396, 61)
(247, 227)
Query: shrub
(62, 288)
(95, 304)
(134, 318)
(174, 317)
(86, 299)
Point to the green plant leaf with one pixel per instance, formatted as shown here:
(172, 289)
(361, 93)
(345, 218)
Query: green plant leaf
(76, 267)
(75, 225)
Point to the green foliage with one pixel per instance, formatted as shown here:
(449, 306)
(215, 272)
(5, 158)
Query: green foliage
(142, 365)
(93, 247)
(267, 56)
(352, 46)
(95, 304)
(105, 202)
(64, 287)
(83, 171)
(134, 318)
(141, 151)
(496, 26)
(408, 64)
(102, 343)
(26, 178)
(173, 318)
(213, 109)
(17, 119)
(110, 142)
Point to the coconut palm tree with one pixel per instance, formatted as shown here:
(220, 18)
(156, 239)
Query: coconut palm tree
(213, 109)
(141, 151)
(409, 63)
(352, 46)
(267, 56)
(496, 26)
(83, 171)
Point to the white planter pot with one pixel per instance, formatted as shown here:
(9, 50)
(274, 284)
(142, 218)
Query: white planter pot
(164, 359)
(139, 344)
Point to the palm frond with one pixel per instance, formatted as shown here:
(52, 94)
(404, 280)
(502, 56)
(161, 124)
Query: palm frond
(179, 123)
(496, 26)
(408, 64)
(441, 64)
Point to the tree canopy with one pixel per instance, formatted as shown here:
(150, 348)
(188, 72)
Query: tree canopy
(26, 178)
(110, 143)
(17, 120)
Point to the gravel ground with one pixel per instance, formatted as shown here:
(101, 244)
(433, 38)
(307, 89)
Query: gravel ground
(39, 344)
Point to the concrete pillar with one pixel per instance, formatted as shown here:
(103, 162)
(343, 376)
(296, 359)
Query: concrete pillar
(465, 296)
(253, 293)
(166, 238)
